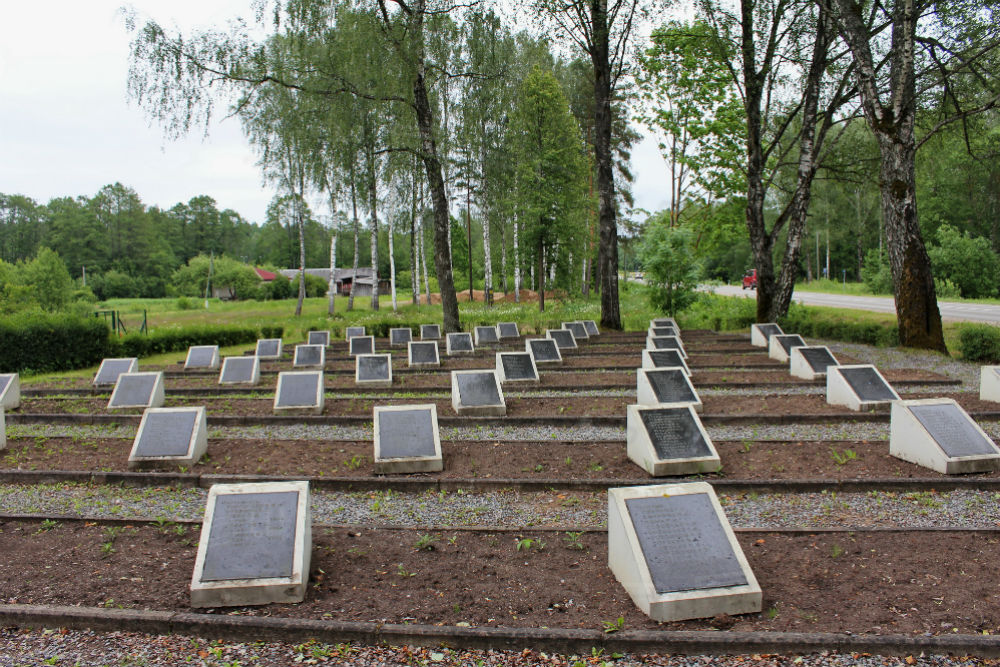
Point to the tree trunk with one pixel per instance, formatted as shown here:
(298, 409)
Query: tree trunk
(503, 258)
(357, 232)
(392, 265)
(299, 213)
(541, 276)
(468, 234)
(331, 286)
(373, 208)
(414, 257)
(517, 267)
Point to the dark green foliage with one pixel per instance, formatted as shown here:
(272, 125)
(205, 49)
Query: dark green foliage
(671, 268)
(967, 262)
(875, 272)
(979, 342)
(272, 332)
(811, 323)
(719, 313)
(175, 340)
(37, 342)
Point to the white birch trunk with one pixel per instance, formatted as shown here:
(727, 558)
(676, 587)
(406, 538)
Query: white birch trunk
(331, 289)
(392, 267)
(517, 268)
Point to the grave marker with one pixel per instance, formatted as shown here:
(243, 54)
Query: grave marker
(362, 345)
(110, 369)
(564, 338)
(989, 383)
(656, 332)
(172, 436)
(486, 335)
(669, 440)
(269, 349)
(665, 385)
(407, 439)
(373, 370)
(255, 546)
(459, 343)
(508, 330)
(653, 359)
(137, 390)
(477, 393)
(351, 332)
(10, 391)
(666, 343)
(309, 356)
(673, 550)
(516, 367)
(664, 322)
(811, 362)
(780, 346)
(3, 430)
(430, 331)
(240, 370)
(760, 334)
(544, 350)
(202, 356)
(299, 392)
(318, 338)
(579, 330)
(423, 353)
(592, 329)
(400, 337)
(938, 434)
(858, 387)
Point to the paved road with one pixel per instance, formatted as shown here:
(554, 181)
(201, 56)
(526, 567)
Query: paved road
(950, 310)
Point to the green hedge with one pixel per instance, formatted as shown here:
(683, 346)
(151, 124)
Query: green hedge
(979, 342)
(175, 340)
(37, 342)
(807, 322)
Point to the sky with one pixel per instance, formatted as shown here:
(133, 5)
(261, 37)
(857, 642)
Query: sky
(67, 127)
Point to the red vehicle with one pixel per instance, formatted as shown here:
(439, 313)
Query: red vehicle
(750, 279)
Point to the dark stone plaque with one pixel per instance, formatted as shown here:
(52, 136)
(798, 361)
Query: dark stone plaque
(424, 353)
(508, 330)
(460, 342)
(591, 326)
(238, 369)
(355, 331)
(818, 358)
(788, 341)
(671, 386)
(134, 389)
(430, 331)
(579, 331)
(769, 330)
(268, 347)
(252, 536)
(362, 345)
(663, 331)
(662, 322)
(299, 389)
(667, 358)
(674, 433)
(486, 335)
(683, 543)
(308, 355)
(110, 370)
(166, 433)
(405, 433)
(564, 338)
(319, 338)
(867, 384)
(201, 355)
(477, 389)
(544, 349)
(518, 366)
(373, 368)
(952, 430)
(400, 336)
(666, 343)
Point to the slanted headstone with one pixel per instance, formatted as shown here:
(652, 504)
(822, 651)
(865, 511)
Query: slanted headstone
(407, 439)
(673, 550)
(655, 332)
(110, 369)
(430, 331)
(664, 359)
(309, 356)
(938, 434)
(477, 393)
(516, 367)
(592, 329)
(989, 383)
(810, 362)
(318, 338)
(255, 545)
(486, 335)
(299, 392)
(169, 436)
(459, 343)
(544, 350)
(137, 390)
(240, 370)
(202, 356)
(669, 440)
(665, 385)
(362, 345)
(579, 330)
(760, 334)
(666, 343)
(858, 387)
(3, 430)
(564, 338)
(373, 370)
(508, 330)
(10, 391)
(400, 337)
(423, 353)
(268, 348)
(780, 346)
(351, 332)
(664, 322)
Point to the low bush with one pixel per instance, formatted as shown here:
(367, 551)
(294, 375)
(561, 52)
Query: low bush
(813, 323)
(37, 342)
(719, 313)
(159, 341)
(979, 342)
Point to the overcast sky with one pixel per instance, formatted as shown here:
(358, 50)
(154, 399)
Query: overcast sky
(67, 127)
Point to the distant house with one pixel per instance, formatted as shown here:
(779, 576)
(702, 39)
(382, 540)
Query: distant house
(265, 276)
(344, 278)
(228, 292)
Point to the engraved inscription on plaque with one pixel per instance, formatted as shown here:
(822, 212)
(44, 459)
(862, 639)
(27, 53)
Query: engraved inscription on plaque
(579, 331)
(508, 330)
(400, 336)
(237, 369)
(362, 345)
(134, 389)
(201, 355)
(674, 433)
(818, 358)
(252, 536)
(166, 433)
(486, 334)
(268, 347)
(460, 342)
(354, 331)
(424, 353)
(952, 430)
(319, 338)
(373, 368)
(298, 390)
(667, 358)
(308, 355)
(789, 341)
(478, 389)
(4, 381)
(110, 370)
(430, 331)
(544, 350)
(591, 326)
(405, 433)
(665, 343)
(563, 337)
(518, 366)
(663, 331)
(769, 330)
(684, 544)
(867, 384)
(671, 386)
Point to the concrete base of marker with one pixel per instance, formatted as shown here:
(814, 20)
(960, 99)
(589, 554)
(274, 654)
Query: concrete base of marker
(156, 396)
(840, 392)
(197, 445)
(909, 441)
(3, 430)
(626, 561)
(453, 352)
(776, 351)
(543, 362)
(651, 344)
(800, 368)
(213, 361)
(503, 375)
(757, 337)
(10, 397)
(640, 450)
(254, 372)
(989, 383)
(420, 364)
(380, 382)
(390, 466)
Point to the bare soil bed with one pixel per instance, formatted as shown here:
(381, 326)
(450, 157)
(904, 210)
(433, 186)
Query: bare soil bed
(860, 582)
(556, 460)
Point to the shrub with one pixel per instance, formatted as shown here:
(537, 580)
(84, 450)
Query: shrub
(811, 322)
(979, 342)
(672, 273)
(37, 342)
(159, 341)
(719, 313)
(875, 272)
(967, 262)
